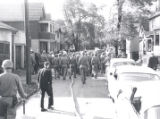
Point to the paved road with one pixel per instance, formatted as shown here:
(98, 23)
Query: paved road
(92, 99)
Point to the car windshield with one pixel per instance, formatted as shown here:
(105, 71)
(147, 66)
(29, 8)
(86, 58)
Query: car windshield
(138, 77)
(123, 63)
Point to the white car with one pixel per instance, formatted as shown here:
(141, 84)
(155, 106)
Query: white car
(143, 80)
(115, 63)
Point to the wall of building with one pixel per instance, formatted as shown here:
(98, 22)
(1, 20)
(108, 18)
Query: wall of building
(20, 38)
(34, 29)
(6, 48)
(17, 40)
(33, 25)
(154, 23)
(35, 45)
(5, 35)
(154, 26)
(132, 48)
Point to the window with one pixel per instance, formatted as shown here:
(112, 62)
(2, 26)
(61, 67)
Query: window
(157, 40)
(149, 45)
(4, 48)
(138, 77)
(1, 47)
(50, 28)
(44, 27)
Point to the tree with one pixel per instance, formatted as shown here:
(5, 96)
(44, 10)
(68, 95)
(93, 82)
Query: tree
(85, 23)
(129, 14)
(138, 14)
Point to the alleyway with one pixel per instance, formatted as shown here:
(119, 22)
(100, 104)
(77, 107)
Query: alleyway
(92, 100)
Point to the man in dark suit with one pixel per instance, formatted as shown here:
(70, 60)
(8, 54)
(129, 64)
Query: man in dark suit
(45, 84)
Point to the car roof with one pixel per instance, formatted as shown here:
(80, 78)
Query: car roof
(135, 69)
(114, 60)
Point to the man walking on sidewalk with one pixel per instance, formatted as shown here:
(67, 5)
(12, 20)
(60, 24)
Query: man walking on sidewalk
(45, 84)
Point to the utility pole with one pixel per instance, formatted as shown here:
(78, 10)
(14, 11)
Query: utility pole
(28, 44)
(119, 4)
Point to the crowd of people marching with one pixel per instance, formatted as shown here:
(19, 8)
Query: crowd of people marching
(60, 65)
(63, 64)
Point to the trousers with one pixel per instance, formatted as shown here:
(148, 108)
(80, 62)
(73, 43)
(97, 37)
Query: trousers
(49, 92)
(7, 112)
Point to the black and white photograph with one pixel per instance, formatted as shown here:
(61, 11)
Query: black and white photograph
(80, 59)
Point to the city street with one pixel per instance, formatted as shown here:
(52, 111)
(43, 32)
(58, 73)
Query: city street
(92, 100)
(87, 37)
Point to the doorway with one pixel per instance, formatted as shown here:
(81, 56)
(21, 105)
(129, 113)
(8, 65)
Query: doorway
(18, 57)
(43, 46)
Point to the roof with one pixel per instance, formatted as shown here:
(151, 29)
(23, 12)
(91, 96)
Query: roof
(15, 11)
(155, 15)
(135, 69)
(7, 27)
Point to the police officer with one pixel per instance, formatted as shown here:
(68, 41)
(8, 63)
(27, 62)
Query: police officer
(10, 84)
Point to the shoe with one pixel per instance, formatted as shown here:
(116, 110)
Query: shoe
(43, 110)
(51, 108)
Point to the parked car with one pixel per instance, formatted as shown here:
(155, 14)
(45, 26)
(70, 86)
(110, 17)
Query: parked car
(115, 63)
(138, 84)
(152, 113)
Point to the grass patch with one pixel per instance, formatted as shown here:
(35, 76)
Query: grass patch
(31, 88)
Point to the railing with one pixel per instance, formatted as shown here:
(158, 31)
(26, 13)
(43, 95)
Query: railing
(46, 35)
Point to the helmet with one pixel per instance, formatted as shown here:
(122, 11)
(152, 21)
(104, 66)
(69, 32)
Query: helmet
(64, 53)
(7, 64)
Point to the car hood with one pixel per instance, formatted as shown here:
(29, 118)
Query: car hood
(147, 90)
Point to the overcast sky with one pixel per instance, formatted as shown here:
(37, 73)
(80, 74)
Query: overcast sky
(55, 7)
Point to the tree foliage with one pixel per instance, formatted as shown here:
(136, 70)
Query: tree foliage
(142, 3)
(85, 22)
(133, 14)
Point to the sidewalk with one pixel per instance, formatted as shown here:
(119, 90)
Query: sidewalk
(64, 109)
(92, 100)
